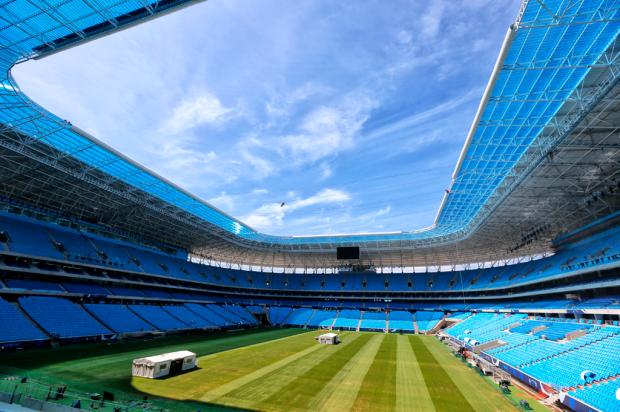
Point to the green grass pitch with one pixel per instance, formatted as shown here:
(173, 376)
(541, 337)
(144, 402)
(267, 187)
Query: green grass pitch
(277, 370)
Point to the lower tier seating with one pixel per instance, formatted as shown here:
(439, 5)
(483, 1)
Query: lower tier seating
(244, 316)
(427, 320)
(602, 396)
(232, 314)
(322, 318)
(278, 315)
(300, 317)
(373, 321)
(119, 318)
(401, 320)
(158, 317)
(347, 319)
(15, 327)
(61, 317)
(210, 316)
(561, 363)
(565, 370)
(188, 317)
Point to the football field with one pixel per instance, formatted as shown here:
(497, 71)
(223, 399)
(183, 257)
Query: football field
(281, 370)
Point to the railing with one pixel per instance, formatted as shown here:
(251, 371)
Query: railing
(27, 389)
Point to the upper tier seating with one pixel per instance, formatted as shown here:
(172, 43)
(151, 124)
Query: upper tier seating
(156, 293)
(119, 318)
(28, 238)
(85, 288)
(15, 327)
(61, 317)
(158, 317)
(44, 239)
(123, 291)
(28, 284)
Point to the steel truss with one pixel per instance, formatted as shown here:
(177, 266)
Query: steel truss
(561, 179)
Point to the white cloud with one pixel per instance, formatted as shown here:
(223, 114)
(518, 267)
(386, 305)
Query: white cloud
(323, 197)
(283, 103)
(404, 37)
(272, 214)
(202, 110)
(224, 201)
(323, 224)
(260, 166)
(289, 84)
(328, 130)
(431, 20)
(423, 116)
(260, 191)
(326, 170)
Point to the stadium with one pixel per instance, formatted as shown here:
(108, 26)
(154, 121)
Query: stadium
(122, 291)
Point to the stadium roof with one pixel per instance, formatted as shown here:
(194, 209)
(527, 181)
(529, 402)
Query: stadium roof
(558, 64)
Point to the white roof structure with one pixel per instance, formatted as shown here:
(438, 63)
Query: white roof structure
(164, 357)
(540, 160)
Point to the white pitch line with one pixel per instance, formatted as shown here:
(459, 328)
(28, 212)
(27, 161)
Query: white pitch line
(341, 391)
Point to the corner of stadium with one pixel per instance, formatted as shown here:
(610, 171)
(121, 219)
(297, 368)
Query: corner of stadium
(121, 291)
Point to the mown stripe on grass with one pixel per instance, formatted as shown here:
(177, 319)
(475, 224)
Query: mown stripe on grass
(342, 390)
(297, 394)
(378, 389)
(255, 392)
(222, 390)
(445, 394)
(411, 391)
(482, 396)
(234, 363)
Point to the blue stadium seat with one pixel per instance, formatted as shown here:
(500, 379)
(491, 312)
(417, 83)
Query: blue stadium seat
(347, 319)
(401, 320)
(15, 327)
(376, 321)
(30, 284)
(61, 317)
(427, 320)
(209, 315)
(158, 317)
(278, 315)
(119, 318)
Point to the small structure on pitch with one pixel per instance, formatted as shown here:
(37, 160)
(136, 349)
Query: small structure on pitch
(166, 364)
(328, 338)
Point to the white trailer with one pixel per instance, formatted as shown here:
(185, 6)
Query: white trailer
(328, 338)
(164, 365)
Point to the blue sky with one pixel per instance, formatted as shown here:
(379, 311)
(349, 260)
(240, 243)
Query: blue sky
(352, 113)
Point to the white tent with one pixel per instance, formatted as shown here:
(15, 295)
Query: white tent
(328, 338)
(164, 364)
